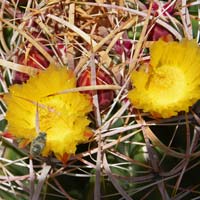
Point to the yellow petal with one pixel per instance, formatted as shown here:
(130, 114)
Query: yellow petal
(62, 117)
(173, 84)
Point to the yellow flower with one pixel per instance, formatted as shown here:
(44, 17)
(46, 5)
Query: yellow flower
(62, 117)
(172, 83)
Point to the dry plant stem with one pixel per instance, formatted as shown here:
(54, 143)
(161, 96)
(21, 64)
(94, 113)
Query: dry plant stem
(4, 179)
(185, 191)
(87, 163)
(2, 117)
(31, 40)
(95, 95)
(174, 171)
(115, 102)
(137, 179)
(134, 60)
(67, 196)
(97, 190)
(153, 160)
(116, 131)
(198, 33)
(129, 23)
(97, 46)
(41, 180)
(137, 13)
(127, 158)
(157, 142)
(170, 143)
(43, 27)
(107, 146)
(181, 167)
(114, 180)
(8, 7)
(32, 178)
(20, 68)
(18, 193)
(105, 119)
(187, 157)
(117, 115)
(70, 50)
(9, 176)
(196, 117)
(86, 88)
(186, 21)
(19, 162)
(28, 6)
(15, 35)
(74, 28)
(151, 185)
(195, 138)
(148, 193)
(56, 189)
(2, 40)
(5, 90)
(57, 172)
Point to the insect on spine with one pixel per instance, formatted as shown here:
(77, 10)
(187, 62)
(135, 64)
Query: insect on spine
(39, 142)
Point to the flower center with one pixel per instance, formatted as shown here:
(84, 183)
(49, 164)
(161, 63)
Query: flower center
(167, 84)
(49, 112)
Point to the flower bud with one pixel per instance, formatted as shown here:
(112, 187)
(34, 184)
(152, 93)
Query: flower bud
(105, 97)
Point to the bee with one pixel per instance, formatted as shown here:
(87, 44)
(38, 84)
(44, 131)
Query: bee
(38, 144)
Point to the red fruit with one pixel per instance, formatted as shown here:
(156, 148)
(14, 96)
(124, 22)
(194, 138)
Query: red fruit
(155, 6)
(105, 97)
(159, 32)
(35, 59)
(169, 9)
(165, 8)
(119, 48)
(123, 46)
